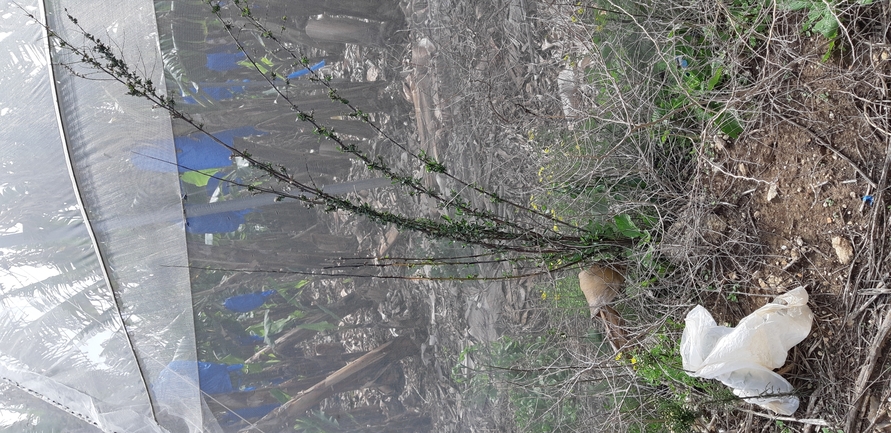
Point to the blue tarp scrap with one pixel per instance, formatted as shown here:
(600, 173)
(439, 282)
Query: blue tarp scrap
(303, 71)
(217, 92)
(212, 378)
(219, 180)
(225, 60)
(249, 340)
(215, 379)
(221, 222)
(247, 302)
(197, 151)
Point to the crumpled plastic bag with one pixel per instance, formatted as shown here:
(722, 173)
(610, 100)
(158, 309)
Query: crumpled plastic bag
(744, 357)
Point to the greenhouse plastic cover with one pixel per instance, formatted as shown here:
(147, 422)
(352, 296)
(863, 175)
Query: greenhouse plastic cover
(129, 299)
(95, 301)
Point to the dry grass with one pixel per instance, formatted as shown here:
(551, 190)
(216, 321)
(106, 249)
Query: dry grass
(723, 244)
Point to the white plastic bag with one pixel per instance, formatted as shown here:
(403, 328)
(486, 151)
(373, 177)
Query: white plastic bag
(743, 357)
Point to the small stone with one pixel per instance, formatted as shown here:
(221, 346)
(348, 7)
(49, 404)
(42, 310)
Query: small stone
(843, 249)
(828, 220)
(772, 192)
(743, 171)
(720, 143)
(799, 241)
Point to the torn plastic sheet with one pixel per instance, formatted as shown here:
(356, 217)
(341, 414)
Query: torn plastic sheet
(744, 357)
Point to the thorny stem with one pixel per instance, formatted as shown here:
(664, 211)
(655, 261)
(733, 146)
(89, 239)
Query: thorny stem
(429, 163)
(486, 230)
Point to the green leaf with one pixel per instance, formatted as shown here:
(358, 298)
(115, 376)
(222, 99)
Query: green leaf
(199, 177)
(269, 328)
(258, 65)
(330, 313)
(797, 5)
(626, 226)
(318, 327)
(729, 125)
(280, 396)
(252, 368)
(713, 81)
(231, 360)
(827, 26)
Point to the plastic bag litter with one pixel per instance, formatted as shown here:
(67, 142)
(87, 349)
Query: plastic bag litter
(743, 357)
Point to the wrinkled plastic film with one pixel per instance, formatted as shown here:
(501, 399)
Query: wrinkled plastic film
(744, 357)
(61, 339)
(136, 215)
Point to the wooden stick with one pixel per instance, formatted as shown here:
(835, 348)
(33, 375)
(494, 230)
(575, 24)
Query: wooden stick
(866, 372)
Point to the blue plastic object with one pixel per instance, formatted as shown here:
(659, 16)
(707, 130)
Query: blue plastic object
(302, 72)
(868, 199)
(250, 340)
(248, 302)
(225, 60)
(193, 152)
(222, 222)
(212, 378)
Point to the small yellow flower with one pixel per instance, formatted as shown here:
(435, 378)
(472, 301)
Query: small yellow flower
(633, 360)
(618, 356)
(544, 295)
(556, 229)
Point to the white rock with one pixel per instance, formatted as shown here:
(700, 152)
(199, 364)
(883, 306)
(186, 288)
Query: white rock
(772, 192)
(843, 249)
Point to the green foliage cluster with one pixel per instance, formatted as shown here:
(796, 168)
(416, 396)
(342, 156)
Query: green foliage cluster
(532, 373)
(679, 399)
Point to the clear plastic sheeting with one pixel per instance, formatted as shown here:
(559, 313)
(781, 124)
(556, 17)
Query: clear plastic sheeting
(22, 410)
(92, 309)
(127, 303)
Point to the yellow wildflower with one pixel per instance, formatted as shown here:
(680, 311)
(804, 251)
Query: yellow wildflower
(618, 356)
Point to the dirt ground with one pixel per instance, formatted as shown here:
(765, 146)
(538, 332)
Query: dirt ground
(803, 190)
